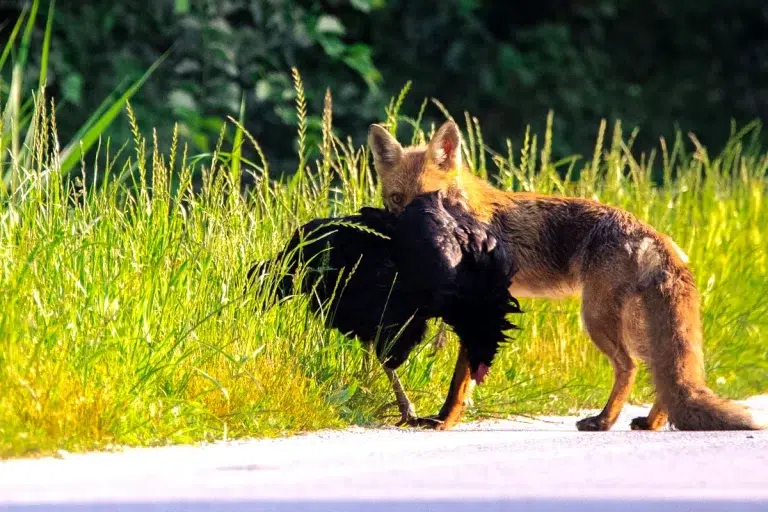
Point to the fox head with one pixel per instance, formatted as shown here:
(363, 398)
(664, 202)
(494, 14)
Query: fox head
(407, 172)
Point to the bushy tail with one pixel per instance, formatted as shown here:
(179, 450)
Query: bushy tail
(677, 360)
(700, 409)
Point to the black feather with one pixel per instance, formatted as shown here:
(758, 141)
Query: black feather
(434, 260)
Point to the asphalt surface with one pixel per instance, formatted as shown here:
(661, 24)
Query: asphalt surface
(542, 465)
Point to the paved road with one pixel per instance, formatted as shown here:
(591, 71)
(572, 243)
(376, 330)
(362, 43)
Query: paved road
(544, 465)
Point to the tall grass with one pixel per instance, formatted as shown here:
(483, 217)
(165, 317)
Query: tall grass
(20, 110)
(124, 322)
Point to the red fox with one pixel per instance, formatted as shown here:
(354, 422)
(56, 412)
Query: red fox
(639, 298)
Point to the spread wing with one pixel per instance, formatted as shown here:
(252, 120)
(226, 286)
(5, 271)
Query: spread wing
(436, 245)
(453, 264)
(435, 260)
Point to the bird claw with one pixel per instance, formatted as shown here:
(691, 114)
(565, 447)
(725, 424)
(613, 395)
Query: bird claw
(428, 422)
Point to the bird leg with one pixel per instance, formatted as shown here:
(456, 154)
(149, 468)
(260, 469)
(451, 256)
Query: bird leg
(404, 405)
(441, 338)
(407, 410)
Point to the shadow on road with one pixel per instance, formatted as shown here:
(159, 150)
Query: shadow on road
(528, 505)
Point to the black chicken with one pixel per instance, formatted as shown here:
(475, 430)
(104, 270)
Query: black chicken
(380, 277)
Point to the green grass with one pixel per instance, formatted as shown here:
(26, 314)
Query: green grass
(123, 319)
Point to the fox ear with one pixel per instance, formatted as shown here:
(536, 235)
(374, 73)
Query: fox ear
(385, 148)
(445, 147)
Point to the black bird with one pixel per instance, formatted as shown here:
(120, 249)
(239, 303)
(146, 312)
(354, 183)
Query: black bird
(380, 277)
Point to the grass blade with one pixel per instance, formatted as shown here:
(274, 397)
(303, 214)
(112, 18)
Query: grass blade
(46, 46)
(73, 152)
(236, 159)
(12, 37)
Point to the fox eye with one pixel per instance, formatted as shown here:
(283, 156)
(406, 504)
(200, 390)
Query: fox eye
(396, 198)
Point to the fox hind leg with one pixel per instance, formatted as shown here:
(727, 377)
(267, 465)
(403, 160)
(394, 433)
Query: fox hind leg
(656, 418)
(602, 323)
(635, 323)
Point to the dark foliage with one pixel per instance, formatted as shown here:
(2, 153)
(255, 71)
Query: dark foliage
(658, 64)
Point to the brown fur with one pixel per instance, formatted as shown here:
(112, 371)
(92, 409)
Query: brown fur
(459, 394)
(639, 299)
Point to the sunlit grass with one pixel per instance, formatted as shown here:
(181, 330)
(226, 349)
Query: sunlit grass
(123, 318)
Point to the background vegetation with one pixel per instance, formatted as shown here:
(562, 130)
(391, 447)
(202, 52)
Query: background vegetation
(696, 64)
(124, 320)
(122, 258)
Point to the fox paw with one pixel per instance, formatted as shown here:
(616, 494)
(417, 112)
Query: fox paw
(644, 423)
(640, 423)
(592, 424)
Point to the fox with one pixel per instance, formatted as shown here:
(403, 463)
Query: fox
(639, 299)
